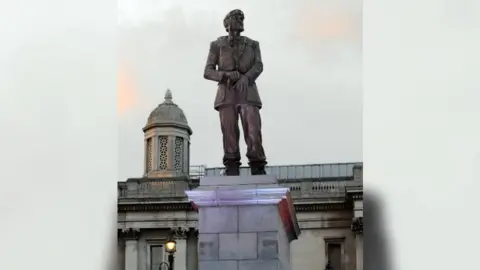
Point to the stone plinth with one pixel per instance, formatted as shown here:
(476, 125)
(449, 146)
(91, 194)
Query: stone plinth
(245, 223)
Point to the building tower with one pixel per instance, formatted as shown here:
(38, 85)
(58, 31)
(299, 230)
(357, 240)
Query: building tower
(167, 141)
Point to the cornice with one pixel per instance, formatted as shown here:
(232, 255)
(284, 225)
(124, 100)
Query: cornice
(186, 206)
(357, 196)
(180, 227)
(155, 207)
(147, 179)
(322, 207)
(355, 193)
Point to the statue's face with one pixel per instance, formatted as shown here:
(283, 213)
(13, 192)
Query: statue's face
(236, 23)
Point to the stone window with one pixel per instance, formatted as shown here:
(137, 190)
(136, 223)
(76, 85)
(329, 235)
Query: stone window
(156, 257)
(334, 248)
(149, 155)
(178, 155)
(163, 152)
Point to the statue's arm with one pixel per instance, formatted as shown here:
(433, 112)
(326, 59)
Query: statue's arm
(211, 72)
(257, 67)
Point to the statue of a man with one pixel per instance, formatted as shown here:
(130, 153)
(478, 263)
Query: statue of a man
(235, 62)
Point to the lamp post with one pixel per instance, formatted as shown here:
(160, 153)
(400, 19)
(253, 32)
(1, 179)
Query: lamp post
(170, 248)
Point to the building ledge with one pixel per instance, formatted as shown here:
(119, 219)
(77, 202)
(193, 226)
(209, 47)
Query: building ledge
(187, 206)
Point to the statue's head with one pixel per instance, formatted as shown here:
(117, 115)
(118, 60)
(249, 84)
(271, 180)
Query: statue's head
(234, 21)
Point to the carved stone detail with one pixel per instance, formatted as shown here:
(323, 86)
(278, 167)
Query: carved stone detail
(194, 231)
(180, 232)
(357, 196)
(357, 225)
(130, 233)
(186, 206)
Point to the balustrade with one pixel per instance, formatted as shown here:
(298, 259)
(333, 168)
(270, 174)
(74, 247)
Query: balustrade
(175, 189)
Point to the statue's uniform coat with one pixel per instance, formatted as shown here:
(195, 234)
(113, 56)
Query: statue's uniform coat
(225, 57)
(244, 56)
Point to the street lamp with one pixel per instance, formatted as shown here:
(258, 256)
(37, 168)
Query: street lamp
(170, 248)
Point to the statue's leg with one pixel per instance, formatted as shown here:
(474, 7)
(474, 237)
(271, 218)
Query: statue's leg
(252, 130)
(231, 135)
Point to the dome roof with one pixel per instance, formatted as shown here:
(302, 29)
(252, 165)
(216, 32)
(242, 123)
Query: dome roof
(167, 114)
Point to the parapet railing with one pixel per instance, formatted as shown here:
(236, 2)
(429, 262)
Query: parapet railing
(316, 180)
(162, 189)
(152, 188)
(289, 172)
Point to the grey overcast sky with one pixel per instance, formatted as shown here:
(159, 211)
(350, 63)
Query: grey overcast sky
(311, 86)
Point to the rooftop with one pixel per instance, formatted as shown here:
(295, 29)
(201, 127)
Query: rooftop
(329, 171)
(311, 181)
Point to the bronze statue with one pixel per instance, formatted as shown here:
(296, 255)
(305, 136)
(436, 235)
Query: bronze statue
(235, 62)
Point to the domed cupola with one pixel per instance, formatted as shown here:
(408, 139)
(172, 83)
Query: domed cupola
(167, 141)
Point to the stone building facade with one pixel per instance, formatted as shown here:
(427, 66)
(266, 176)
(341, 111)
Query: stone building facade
(328, 200)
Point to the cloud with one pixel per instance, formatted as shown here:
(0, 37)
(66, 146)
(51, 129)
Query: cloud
(328, 21)
(128, 95)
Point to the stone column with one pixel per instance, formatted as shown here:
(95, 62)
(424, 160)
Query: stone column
(180, 235)
(359, 244)
(192, 250)
(131, 248)
(357, 228)
(244, 223)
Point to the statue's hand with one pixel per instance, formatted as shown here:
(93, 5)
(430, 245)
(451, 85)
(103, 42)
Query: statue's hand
(233, 75)
(242, 83)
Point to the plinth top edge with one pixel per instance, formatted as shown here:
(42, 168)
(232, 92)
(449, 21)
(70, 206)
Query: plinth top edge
(238, 180)
(218, 196)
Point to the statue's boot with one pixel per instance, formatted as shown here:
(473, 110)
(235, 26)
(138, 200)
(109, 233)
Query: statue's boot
(232, 171)
(258, 168)
(258, 171)
(232, 168)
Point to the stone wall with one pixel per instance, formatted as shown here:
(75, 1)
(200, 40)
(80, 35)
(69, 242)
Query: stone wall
(307, 253)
